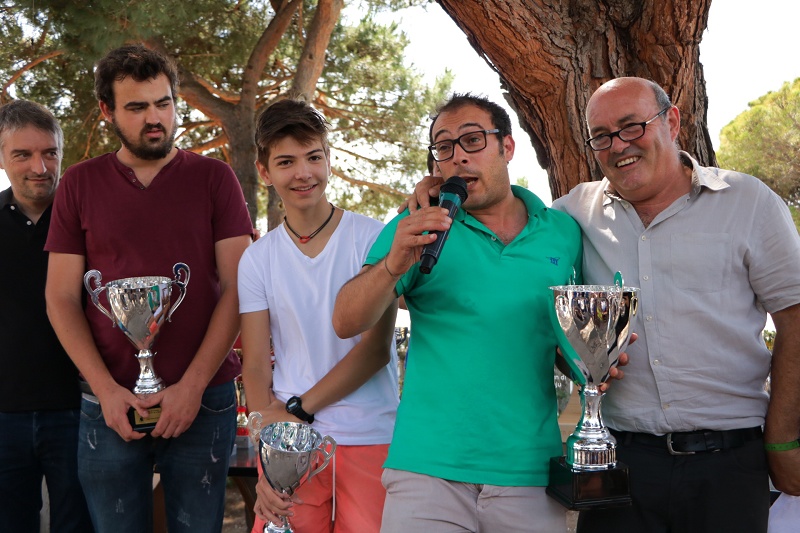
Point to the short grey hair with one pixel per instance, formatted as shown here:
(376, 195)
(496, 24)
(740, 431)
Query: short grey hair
(19, 114)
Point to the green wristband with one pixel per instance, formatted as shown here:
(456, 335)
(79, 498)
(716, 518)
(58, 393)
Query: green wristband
(782, 446)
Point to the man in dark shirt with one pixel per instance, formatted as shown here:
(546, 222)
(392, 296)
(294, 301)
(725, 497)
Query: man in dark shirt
(39, 395)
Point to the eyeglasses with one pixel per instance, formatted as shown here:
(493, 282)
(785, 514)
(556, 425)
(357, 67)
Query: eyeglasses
(631, 132)
(474, 141)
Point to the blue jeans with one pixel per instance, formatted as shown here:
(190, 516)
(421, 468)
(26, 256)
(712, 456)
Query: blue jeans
(117, 476)
(32, 445)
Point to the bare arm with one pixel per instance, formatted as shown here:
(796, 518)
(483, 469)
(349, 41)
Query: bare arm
(783, 416)
(367, 357)
(64, 308)
(256, 361)
(363, 300)
(181, 401)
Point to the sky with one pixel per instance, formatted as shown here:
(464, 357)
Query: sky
(746, 51)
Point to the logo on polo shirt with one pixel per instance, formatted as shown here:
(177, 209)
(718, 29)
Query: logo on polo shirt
(554, 260)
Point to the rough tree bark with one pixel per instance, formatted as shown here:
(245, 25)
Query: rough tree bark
(551, 55)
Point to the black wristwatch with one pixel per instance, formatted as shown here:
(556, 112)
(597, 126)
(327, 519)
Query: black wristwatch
(295, 407)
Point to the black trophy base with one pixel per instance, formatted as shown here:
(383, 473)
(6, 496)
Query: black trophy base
(141, 424)
(581, 490)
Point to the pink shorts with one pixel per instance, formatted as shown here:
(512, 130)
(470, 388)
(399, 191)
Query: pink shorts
(359, 494)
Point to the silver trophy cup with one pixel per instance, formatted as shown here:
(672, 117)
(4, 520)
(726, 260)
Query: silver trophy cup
(593, 326)
(139, 307)
(288, 452)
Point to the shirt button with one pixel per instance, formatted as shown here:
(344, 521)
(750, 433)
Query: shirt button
(666, 406)
(656, 362)
(645, 278)
(649, 318)
(13, 207)
(644, 237)
(494, 238)
(29, 222)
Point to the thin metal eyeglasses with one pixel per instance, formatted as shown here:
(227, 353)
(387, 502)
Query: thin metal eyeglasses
(629, 133)
(474, 141)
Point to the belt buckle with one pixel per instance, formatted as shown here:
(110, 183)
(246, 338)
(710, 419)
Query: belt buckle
(673, 451)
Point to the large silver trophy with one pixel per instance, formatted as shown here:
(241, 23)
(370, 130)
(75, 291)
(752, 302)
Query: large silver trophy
(139, 307)
(288, 452)
(593, 326)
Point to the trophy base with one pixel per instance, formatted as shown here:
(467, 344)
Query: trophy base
(581, 490)
(141, 424)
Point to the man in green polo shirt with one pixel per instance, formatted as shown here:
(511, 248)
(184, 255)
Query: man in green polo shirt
(477, 424)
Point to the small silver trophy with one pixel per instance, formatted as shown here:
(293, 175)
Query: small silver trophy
(288, 452)
(593, 326)
(138, 307)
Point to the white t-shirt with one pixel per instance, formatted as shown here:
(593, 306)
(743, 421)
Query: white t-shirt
(300, 292)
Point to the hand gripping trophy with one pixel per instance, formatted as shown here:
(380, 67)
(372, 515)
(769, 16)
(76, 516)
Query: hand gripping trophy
(593, 326)
(288, 452)
(139, 307)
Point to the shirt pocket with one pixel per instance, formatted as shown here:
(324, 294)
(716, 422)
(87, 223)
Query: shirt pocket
(701, 262)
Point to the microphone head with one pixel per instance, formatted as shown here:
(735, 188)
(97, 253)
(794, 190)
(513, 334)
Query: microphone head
(455, 185)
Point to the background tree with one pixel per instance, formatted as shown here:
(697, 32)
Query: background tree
(235, 57)
(551, 56)
(764, 141)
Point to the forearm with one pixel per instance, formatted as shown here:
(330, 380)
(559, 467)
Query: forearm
(70, 324)
(363, 300)
(64, 298)
(371, 354)
(224, 324)
(256, 364)
(783, 417)
(783, 421)
(217, 342)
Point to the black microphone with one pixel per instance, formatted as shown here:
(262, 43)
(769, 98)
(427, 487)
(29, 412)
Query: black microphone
(452, 194)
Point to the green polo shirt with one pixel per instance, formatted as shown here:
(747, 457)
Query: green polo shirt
(478, 403)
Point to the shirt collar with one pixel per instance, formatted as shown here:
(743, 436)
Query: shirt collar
(6, 198)
(533, 203)
(707, 177)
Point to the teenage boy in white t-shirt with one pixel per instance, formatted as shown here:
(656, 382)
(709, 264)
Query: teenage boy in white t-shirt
(288, 282)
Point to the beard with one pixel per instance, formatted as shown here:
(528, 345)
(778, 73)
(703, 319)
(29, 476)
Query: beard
(144, 148)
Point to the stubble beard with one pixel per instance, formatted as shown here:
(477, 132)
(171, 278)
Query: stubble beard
(143, 149)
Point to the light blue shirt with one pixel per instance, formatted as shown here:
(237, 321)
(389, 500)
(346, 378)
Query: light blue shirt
(710, 267)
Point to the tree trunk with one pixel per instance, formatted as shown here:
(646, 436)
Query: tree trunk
(304, 83)
(551, 56)
(240, 128)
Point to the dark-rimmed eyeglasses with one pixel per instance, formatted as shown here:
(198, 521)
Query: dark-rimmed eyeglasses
(474, 141)
(629, 133)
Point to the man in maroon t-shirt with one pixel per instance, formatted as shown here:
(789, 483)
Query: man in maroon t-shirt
(136, 212)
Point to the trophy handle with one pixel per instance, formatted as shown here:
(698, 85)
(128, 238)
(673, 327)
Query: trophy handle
(177, 269)
(94, 275)
(568, 353)
(325, 455)
(254, 424)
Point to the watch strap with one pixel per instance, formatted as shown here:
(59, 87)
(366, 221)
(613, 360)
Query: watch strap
(297, 410)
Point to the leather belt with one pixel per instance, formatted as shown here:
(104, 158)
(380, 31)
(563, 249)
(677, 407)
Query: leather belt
(85, 388)
(692, 442)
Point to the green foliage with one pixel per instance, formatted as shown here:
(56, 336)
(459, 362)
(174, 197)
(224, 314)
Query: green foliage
(764, 141)
(377, 106)
(379, 109)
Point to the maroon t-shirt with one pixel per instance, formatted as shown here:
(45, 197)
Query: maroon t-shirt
(126, 230)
